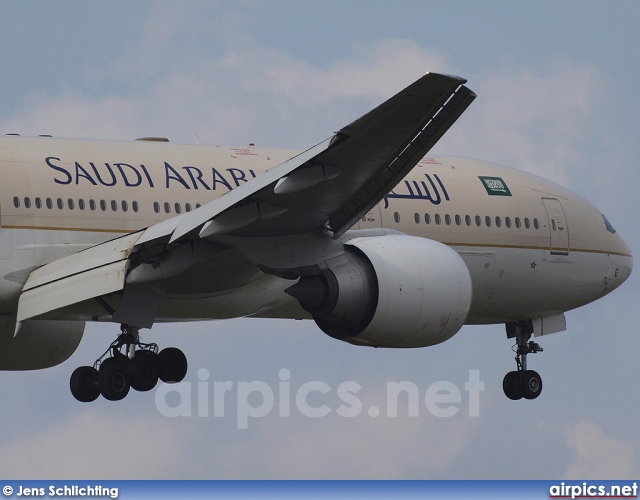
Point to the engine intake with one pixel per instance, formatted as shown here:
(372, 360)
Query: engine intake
(389, 291)
(343, 298)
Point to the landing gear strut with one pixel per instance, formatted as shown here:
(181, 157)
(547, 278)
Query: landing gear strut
(522, 383)
(131, 364)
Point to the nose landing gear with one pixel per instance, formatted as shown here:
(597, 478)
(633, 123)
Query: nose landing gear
(132, 364)
(522, 383)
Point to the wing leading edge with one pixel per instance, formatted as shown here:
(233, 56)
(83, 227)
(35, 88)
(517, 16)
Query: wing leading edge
(327, 187)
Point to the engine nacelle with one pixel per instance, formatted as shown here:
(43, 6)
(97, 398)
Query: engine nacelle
(39, 343)
(389, 291)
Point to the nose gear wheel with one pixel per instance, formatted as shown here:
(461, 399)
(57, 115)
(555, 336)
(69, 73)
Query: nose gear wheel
(523, 383)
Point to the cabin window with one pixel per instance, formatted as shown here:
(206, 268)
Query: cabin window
(527, 222)
(458, 220)
(167, 207)
(187, 207)
(487, 221)
(135, 206)
(396, 217)
(553, 224)
(92, 204)
(60, 203)
(198, 205)
(416, 217)
(478, 221)
(178, 208)
(81, 204)
(27, 202)
(103, 205)
(447, 219)
(438, 219)
(70, 203)
(498, 222)
(518, 223)
(156, 207)
(507, 221)
(49, 203)
(38, 203)
(536, 224)
(427, 218)
(125, 206)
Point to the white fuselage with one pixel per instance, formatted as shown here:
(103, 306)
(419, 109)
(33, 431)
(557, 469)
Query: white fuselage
(532, 248)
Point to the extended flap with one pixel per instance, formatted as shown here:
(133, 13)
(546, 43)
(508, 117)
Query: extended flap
(88, 274)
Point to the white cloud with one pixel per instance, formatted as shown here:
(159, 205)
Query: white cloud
(533, 119)
(375, 72)
(598, 456)
(361, 447)
(246, 93)
(89, 445)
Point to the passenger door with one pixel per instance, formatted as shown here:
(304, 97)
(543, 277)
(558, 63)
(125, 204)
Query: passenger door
(557, 226)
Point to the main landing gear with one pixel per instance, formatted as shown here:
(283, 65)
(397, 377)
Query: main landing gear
(131, 364)
(522, 383)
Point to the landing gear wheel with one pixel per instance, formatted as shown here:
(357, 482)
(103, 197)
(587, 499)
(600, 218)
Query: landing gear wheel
(173, 365)
(84, 384)
(511, 386)
(113, 380)
(530, 384)
(127, 363)
(522, 383)
(143, 370)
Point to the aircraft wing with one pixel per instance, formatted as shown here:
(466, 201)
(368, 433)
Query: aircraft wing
(335, 183)
(329, 187)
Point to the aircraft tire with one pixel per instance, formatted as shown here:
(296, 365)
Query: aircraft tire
(83, 384)
(113, 380)
(511, 386)
(530, 384)
(173, 365)
(143, 370)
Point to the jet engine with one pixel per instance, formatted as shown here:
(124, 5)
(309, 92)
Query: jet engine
(389, 291)
(38, 344)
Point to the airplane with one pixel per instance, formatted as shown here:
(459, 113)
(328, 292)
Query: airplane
(364, 233)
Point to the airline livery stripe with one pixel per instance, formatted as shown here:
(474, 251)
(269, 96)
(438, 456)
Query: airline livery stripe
(531, 247)
(450, 244)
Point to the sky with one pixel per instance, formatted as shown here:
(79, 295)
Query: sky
(557, 96)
